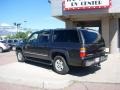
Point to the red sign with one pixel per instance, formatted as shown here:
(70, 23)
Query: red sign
(86, 4)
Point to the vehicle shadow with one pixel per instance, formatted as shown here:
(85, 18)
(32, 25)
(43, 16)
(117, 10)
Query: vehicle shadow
(83, 71)
(75, 71)
(49, 67)
(6, 51)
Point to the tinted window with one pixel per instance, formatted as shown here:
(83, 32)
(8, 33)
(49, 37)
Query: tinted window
(66, 36)
(89, 36)
(15, 41)
(10, 41)
(44, 37)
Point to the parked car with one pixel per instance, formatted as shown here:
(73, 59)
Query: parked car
(4, 46)
(63, 48)
(13, 43)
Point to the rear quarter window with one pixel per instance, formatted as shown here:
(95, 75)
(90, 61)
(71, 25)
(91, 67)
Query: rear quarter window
(90, 36)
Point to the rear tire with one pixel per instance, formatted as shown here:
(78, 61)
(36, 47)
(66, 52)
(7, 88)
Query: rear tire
(20, 56)
(1, 50)
(60, 66)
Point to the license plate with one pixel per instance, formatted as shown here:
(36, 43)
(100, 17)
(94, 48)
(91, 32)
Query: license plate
(97, 60)
(91, 62)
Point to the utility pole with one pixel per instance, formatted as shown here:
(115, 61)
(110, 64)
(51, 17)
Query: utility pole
(25, 25)
(17, 26)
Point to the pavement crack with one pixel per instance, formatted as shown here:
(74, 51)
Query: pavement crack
(84, 86)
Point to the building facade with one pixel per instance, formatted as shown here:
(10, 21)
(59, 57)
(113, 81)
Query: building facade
(103, 15)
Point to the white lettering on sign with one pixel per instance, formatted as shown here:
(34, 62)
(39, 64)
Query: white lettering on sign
(86, 4)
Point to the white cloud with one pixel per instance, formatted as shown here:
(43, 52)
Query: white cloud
(8, 27)
(4, 24)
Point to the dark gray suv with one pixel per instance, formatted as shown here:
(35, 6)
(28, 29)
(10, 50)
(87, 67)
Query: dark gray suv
(63, 48)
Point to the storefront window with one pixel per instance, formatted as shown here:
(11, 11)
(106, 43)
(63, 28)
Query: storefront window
(96, 25)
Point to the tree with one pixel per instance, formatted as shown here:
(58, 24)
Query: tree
(22, 35)
(19, 35)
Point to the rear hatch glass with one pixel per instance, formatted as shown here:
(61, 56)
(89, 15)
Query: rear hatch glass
(93, 41)
(90, 36)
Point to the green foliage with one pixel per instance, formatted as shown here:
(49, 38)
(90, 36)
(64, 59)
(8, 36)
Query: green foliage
(9, 37)
(19, 35)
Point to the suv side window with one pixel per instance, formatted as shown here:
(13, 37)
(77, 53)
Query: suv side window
(66, 36)
(10, 41)
(15, 41)
(44, 37)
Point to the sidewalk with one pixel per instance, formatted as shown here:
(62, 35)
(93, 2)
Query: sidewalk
(75, 86)
(93, 86)
(8, 86)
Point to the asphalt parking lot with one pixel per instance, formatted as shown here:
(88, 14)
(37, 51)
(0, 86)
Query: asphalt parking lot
(33, 76)
(7, 57)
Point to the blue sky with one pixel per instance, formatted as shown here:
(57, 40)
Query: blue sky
(37, 13)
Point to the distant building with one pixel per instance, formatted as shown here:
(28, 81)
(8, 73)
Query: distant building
(101, 14)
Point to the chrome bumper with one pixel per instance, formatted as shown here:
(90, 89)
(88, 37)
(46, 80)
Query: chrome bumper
(95, 61)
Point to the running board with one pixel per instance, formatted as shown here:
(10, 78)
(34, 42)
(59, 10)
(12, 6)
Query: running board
(47, 62)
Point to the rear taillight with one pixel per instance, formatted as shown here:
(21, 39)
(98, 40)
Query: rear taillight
(83, 52)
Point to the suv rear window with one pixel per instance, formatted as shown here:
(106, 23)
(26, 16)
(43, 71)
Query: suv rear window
(66, 36)
(90, 36)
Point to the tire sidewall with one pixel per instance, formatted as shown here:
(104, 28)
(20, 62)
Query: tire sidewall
(22, 58)
(65, 66)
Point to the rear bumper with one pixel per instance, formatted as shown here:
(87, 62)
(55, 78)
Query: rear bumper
(94, 61)
(91, 59)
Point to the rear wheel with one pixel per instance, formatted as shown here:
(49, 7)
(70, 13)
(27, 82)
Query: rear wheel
(60, 65)
(20, 56)
(1, 50)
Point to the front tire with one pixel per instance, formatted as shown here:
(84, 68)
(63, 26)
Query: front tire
(20, 56)
(60, 65)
